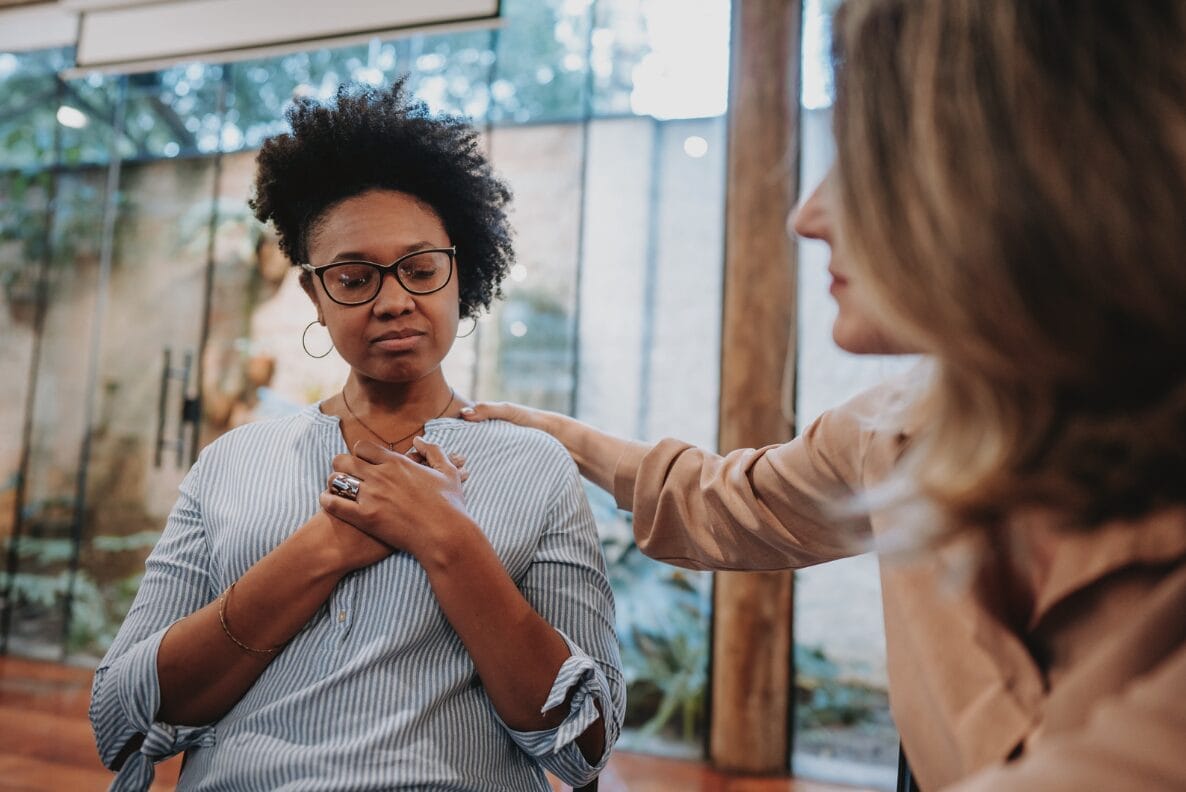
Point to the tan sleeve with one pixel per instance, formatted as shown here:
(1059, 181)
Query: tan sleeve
(1135, 740)
(776, 507)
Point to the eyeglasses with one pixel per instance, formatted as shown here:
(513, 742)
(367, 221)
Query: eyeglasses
(358, 282)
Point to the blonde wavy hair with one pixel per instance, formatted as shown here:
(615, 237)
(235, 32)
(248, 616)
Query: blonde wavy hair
(1012, 182)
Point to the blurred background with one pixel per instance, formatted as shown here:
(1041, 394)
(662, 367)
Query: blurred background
(143, 312)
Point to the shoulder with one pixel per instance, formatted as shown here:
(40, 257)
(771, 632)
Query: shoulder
(863, 438)
(885, 415)
(513, 435)
(517, 451)
(886, 406)
(268, 436)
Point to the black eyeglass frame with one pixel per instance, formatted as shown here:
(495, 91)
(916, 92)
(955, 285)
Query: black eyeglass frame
(383, 269)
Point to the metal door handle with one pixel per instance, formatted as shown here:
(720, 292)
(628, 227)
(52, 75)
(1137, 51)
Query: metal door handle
(190, 410)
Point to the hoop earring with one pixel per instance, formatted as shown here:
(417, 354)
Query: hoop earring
(305, 346)
(472, 328)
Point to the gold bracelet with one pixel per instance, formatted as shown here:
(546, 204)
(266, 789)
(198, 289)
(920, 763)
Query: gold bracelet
(222, 601)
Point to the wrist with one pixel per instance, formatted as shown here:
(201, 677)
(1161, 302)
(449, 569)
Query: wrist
(447, 547)
(553, 423)
(318, 541)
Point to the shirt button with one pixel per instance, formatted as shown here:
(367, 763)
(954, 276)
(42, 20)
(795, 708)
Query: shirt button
(341, 616)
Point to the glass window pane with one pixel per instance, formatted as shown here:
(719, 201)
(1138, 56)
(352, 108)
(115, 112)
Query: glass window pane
(253, 364)
(663, 58)
(176, 112)
(46, 545)
(88, 139)
(844, 731)
(32, 102)
(650, 314)
(526, 344)
(260, 90)
(140, 445)
(24, 202)
(451, 72)
(540, 71)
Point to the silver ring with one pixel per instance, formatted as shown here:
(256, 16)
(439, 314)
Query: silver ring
(345, 486)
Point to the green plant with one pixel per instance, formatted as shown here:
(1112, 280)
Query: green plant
(97, 607)
(826, 698)
(663, 628)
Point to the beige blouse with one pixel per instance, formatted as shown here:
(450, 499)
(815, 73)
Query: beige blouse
(1089, 693)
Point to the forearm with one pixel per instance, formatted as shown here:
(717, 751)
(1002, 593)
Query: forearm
(202, 671)
(516, 653)
(595, 452)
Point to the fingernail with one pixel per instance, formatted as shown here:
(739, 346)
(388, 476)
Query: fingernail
(467, 410)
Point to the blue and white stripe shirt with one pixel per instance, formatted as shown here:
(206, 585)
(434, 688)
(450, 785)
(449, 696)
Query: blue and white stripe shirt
(376, 691)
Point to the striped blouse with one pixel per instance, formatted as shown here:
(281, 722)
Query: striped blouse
(376, 691)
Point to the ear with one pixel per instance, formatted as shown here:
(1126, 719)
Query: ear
(311, 290)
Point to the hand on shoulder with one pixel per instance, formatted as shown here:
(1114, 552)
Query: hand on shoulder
(506, 411)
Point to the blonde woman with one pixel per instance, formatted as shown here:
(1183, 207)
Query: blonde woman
(1009, 197)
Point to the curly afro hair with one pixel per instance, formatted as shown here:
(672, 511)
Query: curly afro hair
(365, 139)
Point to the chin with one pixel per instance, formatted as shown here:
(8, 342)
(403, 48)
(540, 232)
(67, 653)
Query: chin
(860, 340)
(405, 369)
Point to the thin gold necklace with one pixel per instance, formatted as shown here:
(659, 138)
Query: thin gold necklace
(393, 443)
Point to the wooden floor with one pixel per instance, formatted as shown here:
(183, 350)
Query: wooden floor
(46, 745)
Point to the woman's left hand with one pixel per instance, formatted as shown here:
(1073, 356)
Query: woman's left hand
(404, 501)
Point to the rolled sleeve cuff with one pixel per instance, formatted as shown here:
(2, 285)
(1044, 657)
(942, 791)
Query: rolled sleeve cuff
(161, 742)
(626, 473)
(555, 749)
(124, 701)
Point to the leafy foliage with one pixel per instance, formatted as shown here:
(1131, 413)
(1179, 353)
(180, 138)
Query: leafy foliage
(826, 698)
(663, 630)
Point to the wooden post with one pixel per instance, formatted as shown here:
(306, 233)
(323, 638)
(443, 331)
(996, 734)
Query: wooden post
(751, 684)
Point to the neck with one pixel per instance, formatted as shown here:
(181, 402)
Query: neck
(392, 399)
(391, 413)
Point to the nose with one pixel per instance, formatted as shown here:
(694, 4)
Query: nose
(393, 299)
(810, 218)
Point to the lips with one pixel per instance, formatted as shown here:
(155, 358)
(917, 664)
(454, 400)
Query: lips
(397, 340)
(390, 334)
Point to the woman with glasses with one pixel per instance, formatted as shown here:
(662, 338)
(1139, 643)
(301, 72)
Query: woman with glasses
(333, 604)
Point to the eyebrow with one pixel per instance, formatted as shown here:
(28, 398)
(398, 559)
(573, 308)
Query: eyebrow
(353, 255)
